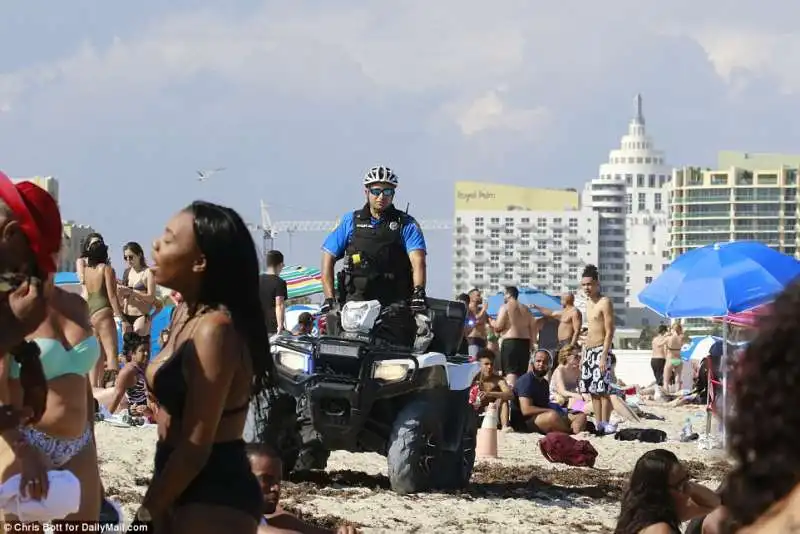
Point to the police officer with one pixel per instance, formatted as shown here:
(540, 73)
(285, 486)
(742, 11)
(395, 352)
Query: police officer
(383, 248)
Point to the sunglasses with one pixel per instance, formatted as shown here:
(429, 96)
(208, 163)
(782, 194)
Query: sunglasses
(128, 258)
(386, 191)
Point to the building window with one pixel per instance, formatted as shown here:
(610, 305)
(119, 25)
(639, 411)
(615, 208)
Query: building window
(541, 222)
(495, 220)
(651, 180)
(657, 202)
(556, 257)
(642, 204)
(629, 203)
(573, 223)
(648, 279)
(629, 180)
(495, 256)
(478, 221)
(541, 268)
(640, 180)
(494, 234)
(648, 267)
(479, 245)
(541, 245)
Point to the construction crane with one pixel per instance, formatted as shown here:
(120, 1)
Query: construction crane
(269, 229)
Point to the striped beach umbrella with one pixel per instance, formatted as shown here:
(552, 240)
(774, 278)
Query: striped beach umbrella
(302, 281)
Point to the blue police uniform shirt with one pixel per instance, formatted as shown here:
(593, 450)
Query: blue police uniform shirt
(336, 242)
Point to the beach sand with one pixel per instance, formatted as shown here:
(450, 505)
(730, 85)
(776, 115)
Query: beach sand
(520, 491)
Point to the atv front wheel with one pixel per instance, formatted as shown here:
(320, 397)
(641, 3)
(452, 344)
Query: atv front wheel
(413, 456)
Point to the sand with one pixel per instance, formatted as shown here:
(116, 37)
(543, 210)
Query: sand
(520, 491)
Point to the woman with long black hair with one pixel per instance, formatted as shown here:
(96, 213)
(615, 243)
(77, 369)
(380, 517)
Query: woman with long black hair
(216, 359)
(660, 496)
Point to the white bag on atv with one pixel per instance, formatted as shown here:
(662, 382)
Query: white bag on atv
(360, 316)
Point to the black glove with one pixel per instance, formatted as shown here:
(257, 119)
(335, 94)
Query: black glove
(327, 306)
(419, 302)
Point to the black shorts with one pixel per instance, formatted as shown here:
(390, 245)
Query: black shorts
(658, 364)
(225, 480)
(515, 354)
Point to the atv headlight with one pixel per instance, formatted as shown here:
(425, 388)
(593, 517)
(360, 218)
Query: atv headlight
(390, 372)
(294, 361)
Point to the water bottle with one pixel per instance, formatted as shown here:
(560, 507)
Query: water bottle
(687, 430)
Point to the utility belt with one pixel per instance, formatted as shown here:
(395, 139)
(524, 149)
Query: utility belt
(356, 280)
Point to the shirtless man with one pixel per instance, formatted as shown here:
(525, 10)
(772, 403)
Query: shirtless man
(492, 388)
(476, 334)
(674, 363)
(596, 375)
(514, 323)
(570, 320)
(659, 357)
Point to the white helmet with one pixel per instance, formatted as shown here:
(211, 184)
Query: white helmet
(380, 174)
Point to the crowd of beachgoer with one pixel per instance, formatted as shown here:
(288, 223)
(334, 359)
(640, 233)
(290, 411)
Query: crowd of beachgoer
(198, 389)
(214, 359)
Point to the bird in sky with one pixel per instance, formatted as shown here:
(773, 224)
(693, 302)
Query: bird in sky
(204, 175)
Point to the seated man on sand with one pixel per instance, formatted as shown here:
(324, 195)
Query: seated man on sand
(268, 469)
(492, 388)
(531, 410)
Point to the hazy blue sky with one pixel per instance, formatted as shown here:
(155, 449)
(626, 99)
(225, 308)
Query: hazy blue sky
(124, 101)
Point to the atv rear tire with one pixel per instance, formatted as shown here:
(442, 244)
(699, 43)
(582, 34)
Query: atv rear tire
(411, 457)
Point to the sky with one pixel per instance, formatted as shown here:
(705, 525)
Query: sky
(124, 101)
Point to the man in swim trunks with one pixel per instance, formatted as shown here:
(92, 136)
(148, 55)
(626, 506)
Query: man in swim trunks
(514, 322)
(476, 335)
(570, 319)
(674, 365)
(596, 376)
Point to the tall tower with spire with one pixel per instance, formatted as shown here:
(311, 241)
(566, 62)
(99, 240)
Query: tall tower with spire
(632, 204)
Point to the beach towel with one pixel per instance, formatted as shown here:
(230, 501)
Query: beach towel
(558, 447)
(63, 498)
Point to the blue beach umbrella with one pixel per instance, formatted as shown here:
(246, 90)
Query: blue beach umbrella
(698, 347)
(527, 297)
(719, 279)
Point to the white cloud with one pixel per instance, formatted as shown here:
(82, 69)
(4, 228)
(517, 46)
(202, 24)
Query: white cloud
(491, 112)
(449, 51)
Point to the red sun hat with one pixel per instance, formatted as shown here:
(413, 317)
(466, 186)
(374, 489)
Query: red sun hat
(39, 218)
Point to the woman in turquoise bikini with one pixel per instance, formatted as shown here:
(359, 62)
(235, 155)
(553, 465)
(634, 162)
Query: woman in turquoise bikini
(64, 436)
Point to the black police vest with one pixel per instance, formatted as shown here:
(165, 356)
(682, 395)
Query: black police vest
(383, 271)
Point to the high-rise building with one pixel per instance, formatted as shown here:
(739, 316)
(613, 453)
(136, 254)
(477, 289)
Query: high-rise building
(526, 237)
(736, 204)
(74, 234)
(632, 204)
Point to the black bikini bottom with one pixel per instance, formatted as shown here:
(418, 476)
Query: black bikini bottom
(225, 480)
(131, 319)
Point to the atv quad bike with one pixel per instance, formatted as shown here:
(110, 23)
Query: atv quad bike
(361, 396)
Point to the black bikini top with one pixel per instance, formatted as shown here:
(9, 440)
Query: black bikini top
(170, 388)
